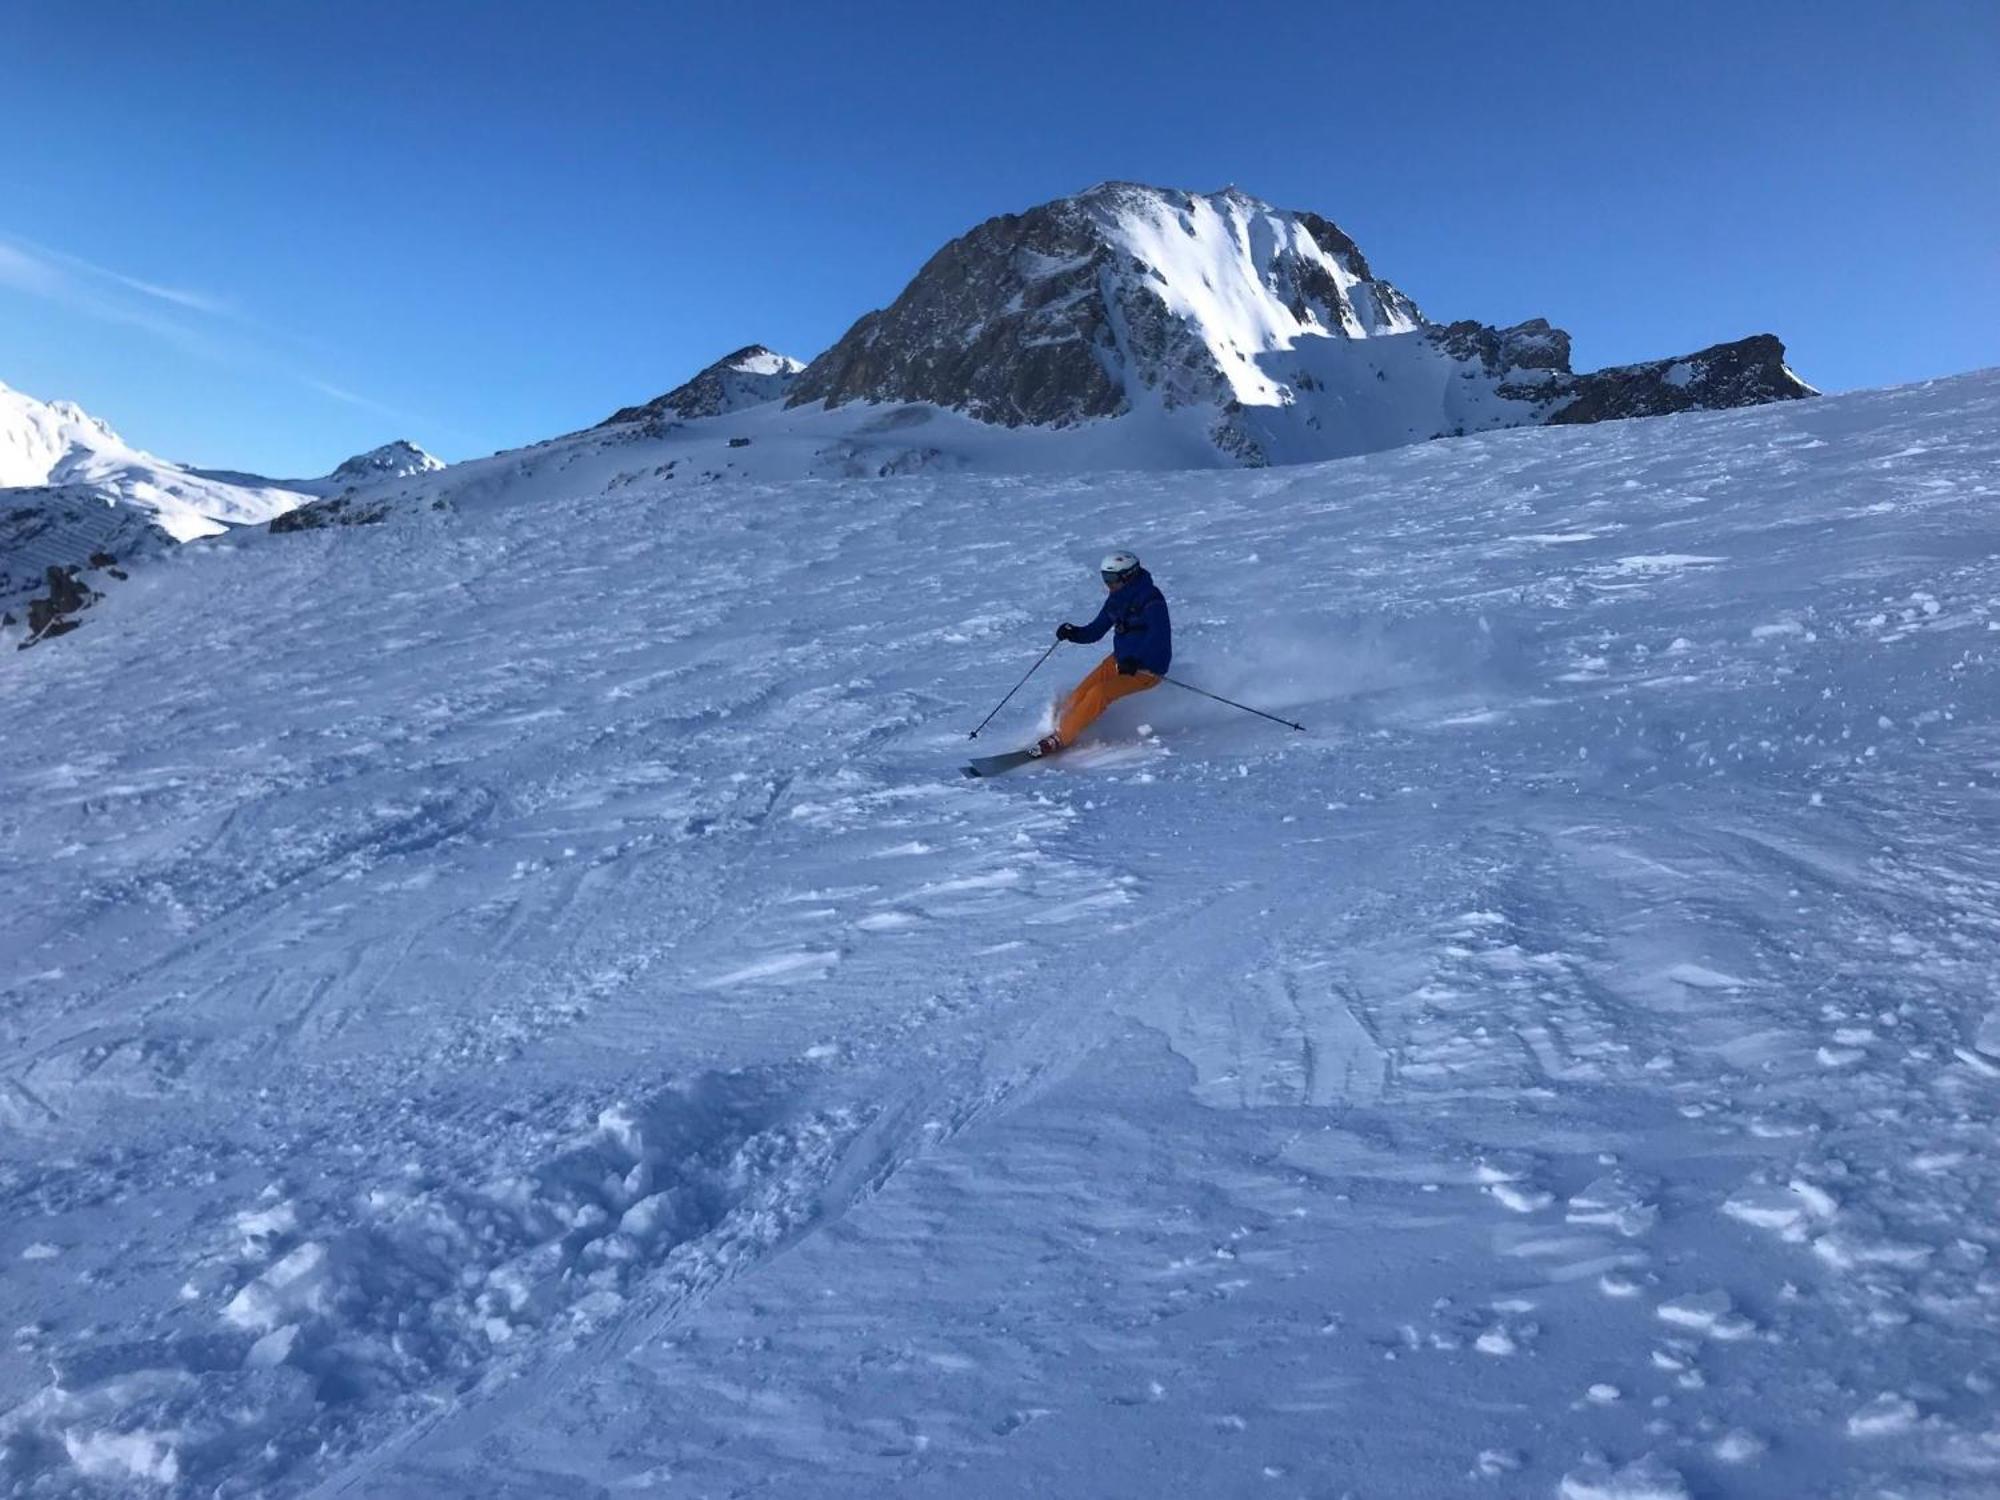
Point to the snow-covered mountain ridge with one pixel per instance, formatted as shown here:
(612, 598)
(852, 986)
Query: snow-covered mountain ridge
(72, 488)
(517, 1000)
(1268, 327)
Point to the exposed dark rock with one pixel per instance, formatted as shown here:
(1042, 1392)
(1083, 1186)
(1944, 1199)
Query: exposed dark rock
(103, 560)
(49, 614)
(65, 525)
(342, 510)
(1747, 372)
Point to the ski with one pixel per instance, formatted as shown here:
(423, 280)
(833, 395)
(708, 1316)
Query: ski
(997, 765)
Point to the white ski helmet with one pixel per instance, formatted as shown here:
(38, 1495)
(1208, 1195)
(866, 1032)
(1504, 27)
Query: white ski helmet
(1118, 567)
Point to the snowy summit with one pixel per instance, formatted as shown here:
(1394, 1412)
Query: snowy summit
(749, 377)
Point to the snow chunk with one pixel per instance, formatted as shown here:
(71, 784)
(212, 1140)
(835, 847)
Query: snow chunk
(1885, 1416)
(297, 1286)
(261, 1226)
(1710, 1313)
(1645, 1479)
(779, 968)
(125, 1455)
(1987, 1038)
(1739, 1447)
(1790, 1210)
(1616, 1203)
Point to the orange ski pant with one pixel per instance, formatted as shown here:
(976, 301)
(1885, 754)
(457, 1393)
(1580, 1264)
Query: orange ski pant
(1097, 692)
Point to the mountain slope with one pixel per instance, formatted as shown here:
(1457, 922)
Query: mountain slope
(1268, 328)
(517, 999)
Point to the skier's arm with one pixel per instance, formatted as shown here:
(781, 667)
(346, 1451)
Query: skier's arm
(1094, 631)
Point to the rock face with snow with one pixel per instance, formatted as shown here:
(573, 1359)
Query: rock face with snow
(751, 376)
(1268, 327)
(1076, 309)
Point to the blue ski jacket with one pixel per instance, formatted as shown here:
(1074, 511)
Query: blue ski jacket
(1136, 613)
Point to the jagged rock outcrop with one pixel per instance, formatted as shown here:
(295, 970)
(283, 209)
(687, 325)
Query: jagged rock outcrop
(749, 377)
(1747, 372)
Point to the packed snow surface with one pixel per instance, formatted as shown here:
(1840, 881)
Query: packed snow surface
(517, 1000)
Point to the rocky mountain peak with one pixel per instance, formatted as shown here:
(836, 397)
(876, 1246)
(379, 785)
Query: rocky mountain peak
(751, 376)
(1120, 296)
(1266, 328)
(396, 460)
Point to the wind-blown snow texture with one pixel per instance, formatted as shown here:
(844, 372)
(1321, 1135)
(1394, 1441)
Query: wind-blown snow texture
(517, 1000)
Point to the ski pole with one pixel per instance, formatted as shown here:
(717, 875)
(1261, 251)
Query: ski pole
(1016, 688)
(1230, 701)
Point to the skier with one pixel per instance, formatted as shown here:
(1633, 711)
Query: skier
(1142, 648)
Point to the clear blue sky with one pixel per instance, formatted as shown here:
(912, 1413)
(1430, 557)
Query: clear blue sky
(271, 235)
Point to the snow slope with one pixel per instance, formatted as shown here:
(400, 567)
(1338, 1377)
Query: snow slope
(515, 1000)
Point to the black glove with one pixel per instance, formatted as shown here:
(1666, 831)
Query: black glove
(1127, 667)
(1065, 631)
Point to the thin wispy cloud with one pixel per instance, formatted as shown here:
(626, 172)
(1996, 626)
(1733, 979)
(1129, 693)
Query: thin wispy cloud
(44, 268)
(25, 273)
(351, 398)
(224, 334)
(199, 302)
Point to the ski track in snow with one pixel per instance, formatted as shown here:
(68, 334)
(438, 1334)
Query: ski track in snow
(519, 1001)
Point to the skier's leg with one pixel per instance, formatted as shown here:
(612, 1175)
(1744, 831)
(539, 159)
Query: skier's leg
(1097, 692)
(1085, 702)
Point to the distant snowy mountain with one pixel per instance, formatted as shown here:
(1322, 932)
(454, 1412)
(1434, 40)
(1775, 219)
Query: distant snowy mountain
(71, 489)
(59, 446)
(1266, 328)
(749, 377)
